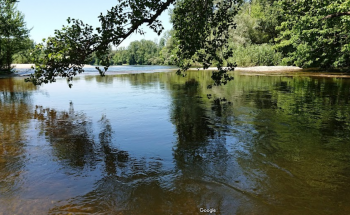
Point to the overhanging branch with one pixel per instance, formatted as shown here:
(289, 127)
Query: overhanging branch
(337, 15)
(149, 21)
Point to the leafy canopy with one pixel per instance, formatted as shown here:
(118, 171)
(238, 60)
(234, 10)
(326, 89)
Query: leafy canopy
(201, 28)
(13, 33)
(315, 33)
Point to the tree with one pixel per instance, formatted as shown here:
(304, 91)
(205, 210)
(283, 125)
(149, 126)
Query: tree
(23, 56)
(201, 25)
(315, 33)
(201, 28)
(256, 23)
(13, 33)
(168, 51)
(119, 56)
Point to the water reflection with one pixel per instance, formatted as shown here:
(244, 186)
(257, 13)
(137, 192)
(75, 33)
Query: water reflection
(274, 145)
(131, 184)
(303, 137)
(69, 134)
(15, 113)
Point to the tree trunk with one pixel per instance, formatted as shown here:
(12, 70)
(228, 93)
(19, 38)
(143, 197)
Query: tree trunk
(8, 55)
(1, 65)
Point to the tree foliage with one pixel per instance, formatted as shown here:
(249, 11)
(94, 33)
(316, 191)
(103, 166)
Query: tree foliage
(200, 25)
(73, 46)
(253, 39)
(202, 29)
(13, 33)
(315, 33)
(143, 52)
(24, 55)
(256, 23)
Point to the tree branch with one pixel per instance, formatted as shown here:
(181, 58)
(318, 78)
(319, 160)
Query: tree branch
(336, 15)
(149, 21)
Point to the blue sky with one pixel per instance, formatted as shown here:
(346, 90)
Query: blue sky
(47, 15)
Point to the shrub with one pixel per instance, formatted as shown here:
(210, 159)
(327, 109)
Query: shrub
(255, 55)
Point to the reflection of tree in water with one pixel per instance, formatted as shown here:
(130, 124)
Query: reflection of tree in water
(197, 137)
(188, 114)
(142, 80)
(224, 156)
(15, 114)
(69, 134)
(221, 150)
(123, 178)
(302, 135)
(237, 157)
(114, 159)
(206, 172)
(107, 79)
(202, 155)
(202, 167)
(15, 102)
(292, 136)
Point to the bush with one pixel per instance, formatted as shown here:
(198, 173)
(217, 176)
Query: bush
(255, 55)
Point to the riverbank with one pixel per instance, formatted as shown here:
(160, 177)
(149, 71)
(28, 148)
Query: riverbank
(29, 66)
(255, 68)
(250, 71)
(260, 68)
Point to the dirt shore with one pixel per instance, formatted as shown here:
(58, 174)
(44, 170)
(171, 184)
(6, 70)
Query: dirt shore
(29, 66)
(260, 68)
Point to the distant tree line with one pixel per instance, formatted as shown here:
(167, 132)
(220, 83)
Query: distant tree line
(143, 52)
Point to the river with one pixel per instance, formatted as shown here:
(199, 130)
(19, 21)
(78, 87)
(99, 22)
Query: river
(158, 143)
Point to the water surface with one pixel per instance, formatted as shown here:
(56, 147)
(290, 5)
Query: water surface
(154, 143)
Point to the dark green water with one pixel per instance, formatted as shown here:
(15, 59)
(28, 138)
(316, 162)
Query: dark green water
(155, 144)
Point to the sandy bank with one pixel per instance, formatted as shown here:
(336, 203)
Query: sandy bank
(268, 68)
(22, 66)
(260, 68)
(29, 66)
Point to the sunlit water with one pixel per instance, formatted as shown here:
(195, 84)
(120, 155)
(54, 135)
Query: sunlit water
(156, 144)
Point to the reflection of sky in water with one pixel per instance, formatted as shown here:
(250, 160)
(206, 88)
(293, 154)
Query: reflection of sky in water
(153, 144)
(139, 116)
(115, 69)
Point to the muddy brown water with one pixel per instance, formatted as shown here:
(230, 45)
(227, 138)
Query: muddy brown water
(154, 143)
